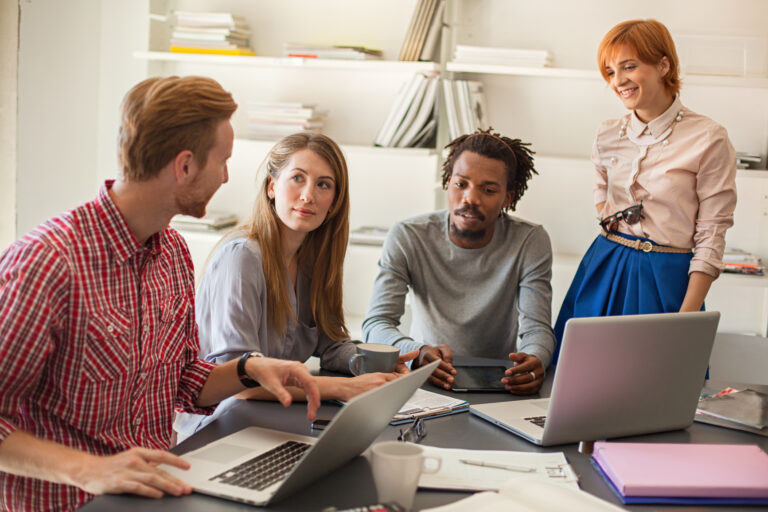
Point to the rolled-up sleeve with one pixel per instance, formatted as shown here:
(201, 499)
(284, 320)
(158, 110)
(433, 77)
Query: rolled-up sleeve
(716, 190)
(334, 355)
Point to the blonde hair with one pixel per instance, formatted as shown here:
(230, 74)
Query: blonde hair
(651, 41)
(322, 252)
(163, 116)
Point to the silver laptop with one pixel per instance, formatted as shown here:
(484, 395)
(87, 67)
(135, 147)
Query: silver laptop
(261, 466)
(617, 376)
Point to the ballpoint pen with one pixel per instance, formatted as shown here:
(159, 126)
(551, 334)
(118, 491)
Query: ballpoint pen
(507, 467)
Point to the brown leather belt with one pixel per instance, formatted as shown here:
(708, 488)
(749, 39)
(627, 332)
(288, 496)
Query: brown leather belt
(644, 246)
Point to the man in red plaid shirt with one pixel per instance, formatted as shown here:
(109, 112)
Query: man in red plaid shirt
(98, 343)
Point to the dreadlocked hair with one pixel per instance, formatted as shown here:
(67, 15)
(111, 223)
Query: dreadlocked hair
(517, 158)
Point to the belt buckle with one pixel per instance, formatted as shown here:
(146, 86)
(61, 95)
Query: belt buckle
(646, 246)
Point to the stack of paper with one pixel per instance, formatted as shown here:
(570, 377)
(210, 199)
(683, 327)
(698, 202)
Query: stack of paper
(526, 494)
(489, 470)
(465, 106)
(412, 120)
(316, 51)
(726, 474)
(211, 32)
(737, 261)
(428, 404)
(502, 56)
(269, 120)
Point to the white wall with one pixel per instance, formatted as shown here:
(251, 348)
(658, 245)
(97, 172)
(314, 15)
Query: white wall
(58, 107)
(9, 45)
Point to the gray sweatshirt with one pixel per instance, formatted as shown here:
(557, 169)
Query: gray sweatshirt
(485, 302)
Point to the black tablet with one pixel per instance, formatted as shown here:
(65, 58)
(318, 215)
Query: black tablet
(478, 378)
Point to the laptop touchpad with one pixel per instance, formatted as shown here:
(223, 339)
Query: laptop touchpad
(221, 453)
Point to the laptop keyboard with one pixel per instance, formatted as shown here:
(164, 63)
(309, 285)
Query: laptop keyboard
(537, 420)
(264, 470)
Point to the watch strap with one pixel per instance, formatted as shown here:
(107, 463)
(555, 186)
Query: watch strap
(245, 380)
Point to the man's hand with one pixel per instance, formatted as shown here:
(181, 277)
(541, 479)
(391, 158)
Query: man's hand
(526, 377)
(275, 374)
(443, 374)
(404, 358)
(133, 471)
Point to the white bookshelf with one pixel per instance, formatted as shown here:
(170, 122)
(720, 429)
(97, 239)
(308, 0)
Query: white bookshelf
(591, 74)
(557, 109)
(372, 65)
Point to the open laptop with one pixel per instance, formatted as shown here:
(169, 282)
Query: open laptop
(261, 466)
(617, 376)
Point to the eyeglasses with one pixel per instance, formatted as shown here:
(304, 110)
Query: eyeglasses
(413, 434)
(631, 215)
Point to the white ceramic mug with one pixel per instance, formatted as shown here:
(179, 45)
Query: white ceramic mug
(396, 470)
(374, 357)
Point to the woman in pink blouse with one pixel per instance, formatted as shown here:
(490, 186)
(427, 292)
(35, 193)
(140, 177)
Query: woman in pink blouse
(665, 188)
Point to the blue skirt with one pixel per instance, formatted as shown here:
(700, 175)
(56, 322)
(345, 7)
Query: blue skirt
(613, 279)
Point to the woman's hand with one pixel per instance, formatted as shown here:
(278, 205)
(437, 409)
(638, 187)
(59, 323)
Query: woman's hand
(348, 388)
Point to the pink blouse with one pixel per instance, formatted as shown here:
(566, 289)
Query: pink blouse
(682, 167)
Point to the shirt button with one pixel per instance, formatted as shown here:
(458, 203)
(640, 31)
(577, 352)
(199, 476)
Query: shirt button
(613, 160)
(110, 328)
(665, 142)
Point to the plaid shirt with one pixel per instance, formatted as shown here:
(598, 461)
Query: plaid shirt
(98, 343)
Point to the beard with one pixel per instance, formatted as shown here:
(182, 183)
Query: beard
(189, 201)
(468, 234)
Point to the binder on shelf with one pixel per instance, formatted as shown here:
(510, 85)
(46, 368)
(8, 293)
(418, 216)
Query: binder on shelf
(399, 109)
(465, 106)
(423, 21)
(433, 35)
(422, 115)
(684, 473)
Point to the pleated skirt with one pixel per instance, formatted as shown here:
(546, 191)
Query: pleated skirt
(613, 279)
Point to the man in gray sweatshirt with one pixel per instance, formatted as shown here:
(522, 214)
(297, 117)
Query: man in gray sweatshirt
(480, 279)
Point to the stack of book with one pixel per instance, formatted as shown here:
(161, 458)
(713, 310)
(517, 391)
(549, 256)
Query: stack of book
(316, 51)
(412, 120)
(269, 120)
(465, 106)
(424, 31)
(502, 56)
(737, 261)
(750, 161)
(220, 33)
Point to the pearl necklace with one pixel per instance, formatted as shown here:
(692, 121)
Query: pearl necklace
(663, 136)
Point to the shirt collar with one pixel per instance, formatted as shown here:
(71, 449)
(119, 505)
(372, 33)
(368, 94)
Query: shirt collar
(657, 126)
(117, 234)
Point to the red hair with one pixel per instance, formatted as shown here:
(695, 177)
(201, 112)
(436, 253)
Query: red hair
(651, 41)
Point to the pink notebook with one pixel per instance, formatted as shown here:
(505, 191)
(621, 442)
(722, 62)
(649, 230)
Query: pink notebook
(685, 470)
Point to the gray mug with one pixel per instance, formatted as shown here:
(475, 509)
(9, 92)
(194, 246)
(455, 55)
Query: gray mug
(373, 357)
